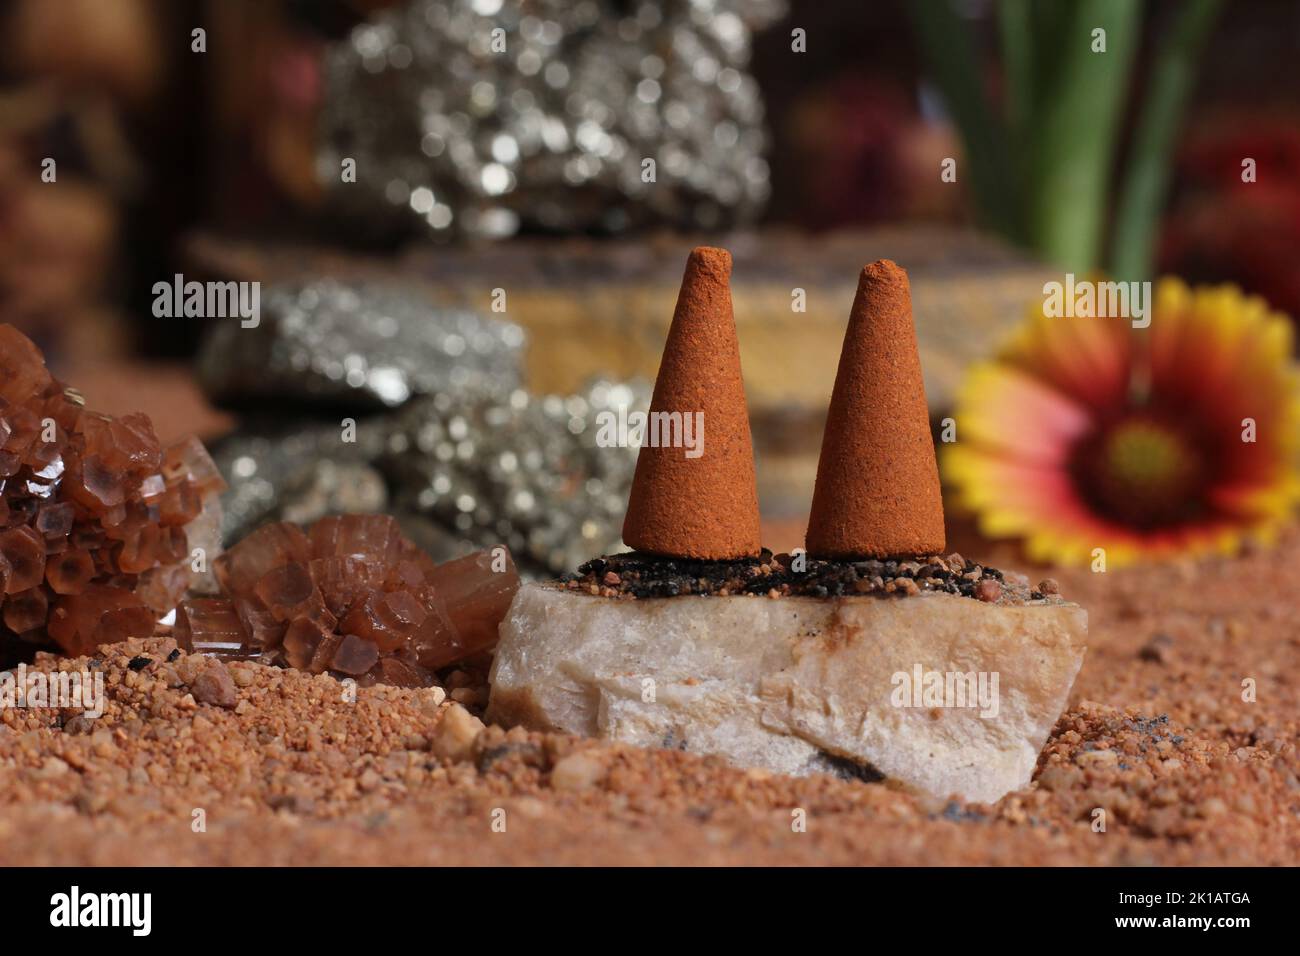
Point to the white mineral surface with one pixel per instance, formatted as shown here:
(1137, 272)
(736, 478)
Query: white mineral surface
(936, 692)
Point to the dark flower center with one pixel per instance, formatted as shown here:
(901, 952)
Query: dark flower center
(1144, 472)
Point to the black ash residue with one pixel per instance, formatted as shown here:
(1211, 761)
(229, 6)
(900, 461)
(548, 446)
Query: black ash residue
(637, 575)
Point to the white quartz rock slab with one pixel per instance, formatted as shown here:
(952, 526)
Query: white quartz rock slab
(799, 685)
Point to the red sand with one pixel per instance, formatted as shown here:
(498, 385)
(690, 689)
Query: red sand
(294, 774)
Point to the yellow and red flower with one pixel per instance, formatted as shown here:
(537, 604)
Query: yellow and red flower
(1180, 438)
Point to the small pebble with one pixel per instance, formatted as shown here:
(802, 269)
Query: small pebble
(453, 738)
(578, 771)
(1157, 649)
(215, 686)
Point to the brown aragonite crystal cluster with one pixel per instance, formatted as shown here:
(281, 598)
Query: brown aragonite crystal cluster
(352, 596)
(98, 522)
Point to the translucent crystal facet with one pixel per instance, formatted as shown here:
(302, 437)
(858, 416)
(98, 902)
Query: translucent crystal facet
(209, 626)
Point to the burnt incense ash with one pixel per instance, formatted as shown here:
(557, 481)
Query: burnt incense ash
(635, 575)
(101, 529)
(352, 596)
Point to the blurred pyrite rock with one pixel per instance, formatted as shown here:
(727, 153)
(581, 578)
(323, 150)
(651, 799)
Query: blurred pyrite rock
(520, 469)
(286, 471)
(490, 468)
(478, 117)
(373, 345)
(362, 398)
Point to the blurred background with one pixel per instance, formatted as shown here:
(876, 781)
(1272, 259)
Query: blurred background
(380, 165)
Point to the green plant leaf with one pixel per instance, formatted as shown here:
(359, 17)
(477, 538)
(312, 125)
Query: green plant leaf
(1146, 177)
(1071, 141)
(946, 42)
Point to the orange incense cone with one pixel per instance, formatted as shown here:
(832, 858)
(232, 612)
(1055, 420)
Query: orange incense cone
(877, 492)
(699, 502)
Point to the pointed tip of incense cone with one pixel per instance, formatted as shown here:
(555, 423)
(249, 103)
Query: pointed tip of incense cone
(877, 492)
(702, 501)
(710, 261)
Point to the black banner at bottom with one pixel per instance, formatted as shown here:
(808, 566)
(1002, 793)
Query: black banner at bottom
(351, 905)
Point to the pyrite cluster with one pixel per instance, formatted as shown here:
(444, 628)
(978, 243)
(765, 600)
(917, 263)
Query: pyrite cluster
(479, 118)
(445, 436)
